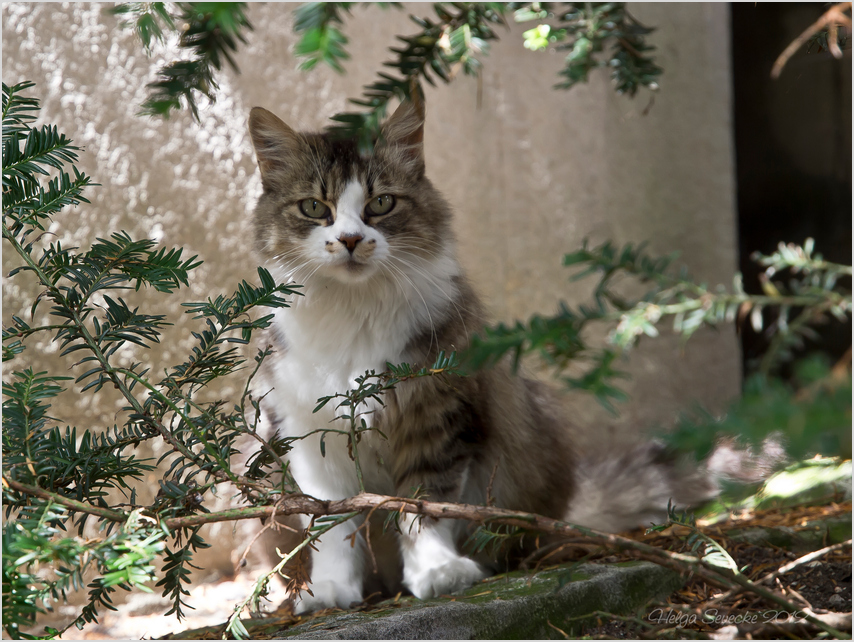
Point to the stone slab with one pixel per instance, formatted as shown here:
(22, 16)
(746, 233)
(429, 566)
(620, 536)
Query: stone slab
(511, 606)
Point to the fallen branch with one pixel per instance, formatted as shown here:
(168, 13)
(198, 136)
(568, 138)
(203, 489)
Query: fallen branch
(293, 504)
(82, 507)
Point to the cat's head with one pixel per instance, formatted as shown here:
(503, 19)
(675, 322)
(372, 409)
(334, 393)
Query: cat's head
(328, 210)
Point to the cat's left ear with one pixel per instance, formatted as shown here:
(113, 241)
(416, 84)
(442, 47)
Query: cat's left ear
(404, 132)
(276, 144)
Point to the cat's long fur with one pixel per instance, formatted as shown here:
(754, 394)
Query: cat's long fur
(389, 289)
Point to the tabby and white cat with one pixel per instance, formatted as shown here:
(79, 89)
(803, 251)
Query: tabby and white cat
(370, 239)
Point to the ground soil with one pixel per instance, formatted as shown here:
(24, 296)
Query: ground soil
(822, 586)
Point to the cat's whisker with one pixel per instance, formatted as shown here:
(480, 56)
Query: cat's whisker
(433, 335)
(426, 258)
(429, 254)
(369, 172)
(312, 273)
(286, 253)
(384, 270)
(424, 263)
(316, 161)
(373, 172)
(288, 257)
(290, 266)
(421, 240)
(293, 262)
(438, 287)
(421, 269)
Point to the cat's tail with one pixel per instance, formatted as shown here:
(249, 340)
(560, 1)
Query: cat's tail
(620, 492)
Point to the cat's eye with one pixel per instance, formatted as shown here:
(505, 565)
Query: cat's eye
(313, 208)
(380, 205)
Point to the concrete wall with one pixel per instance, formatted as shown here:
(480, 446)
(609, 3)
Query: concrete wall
(530, 171)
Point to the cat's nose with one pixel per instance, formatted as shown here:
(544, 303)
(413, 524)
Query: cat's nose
(350, 240)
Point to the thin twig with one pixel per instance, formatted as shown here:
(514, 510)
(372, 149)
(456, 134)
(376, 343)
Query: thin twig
(272, 524)
(35, 491)
(490, 500)
(803, 560)
(561, 631)
(789, 590)
(367, 525)
(809, 557)
(628, 46)
(238, 609)
(830, 20)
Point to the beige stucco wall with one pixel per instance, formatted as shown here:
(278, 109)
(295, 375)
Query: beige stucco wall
(530, 171)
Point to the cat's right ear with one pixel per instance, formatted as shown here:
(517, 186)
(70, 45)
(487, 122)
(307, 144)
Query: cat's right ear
(276, 145)
(404, 132)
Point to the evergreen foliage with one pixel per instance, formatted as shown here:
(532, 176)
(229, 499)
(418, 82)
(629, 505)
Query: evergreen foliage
(35, 537)
(453, 40)
(446, 44)
(322, 40)
(669, 293)
(56, 478)
(84, 465)
(586, 30)
(459, 35)
(813, 295)
(370, 387)
(208, 32)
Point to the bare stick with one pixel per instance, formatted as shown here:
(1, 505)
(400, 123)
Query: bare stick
(809, 557)
(830, 20)
(292, 504)
(273, 524)
(803, 560)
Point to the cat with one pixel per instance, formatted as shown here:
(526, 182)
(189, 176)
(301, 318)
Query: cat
(370, 239)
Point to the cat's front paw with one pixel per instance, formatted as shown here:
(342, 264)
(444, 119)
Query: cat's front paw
(327, 595)
(452, 575)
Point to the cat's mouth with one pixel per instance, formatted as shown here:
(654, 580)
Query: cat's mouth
(352, 269)
(352, 264)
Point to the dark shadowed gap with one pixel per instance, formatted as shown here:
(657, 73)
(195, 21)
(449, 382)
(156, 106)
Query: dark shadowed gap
(793, 150)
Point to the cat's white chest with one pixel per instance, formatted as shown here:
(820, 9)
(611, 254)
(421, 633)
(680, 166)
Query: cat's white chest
(333, 335)
(328, 347)
(303, 376)
(336, 333)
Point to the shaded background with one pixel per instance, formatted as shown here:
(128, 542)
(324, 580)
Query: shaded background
(793, 150)
(723, 162)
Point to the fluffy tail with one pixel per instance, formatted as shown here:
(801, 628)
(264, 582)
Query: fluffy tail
(618, 493)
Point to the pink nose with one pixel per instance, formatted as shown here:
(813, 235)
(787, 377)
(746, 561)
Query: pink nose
(350, 240)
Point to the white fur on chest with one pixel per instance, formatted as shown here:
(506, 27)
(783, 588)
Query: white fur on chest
(337, 331)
